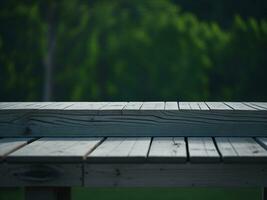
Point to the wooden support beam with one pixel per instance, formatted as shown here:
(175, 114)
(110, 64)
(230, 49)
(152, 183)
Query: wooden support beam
(264, 193)
(220, 119)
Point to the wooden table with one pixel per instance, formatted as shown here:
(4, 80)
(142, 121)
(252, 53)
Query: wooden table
(50, 147)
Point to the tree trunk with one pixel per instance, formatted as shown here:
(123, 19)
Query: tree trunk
(49, 58)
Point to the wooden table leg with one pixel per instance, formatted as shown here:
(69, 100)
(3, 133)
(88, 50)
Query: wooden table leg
(47, 193)
(264, 193)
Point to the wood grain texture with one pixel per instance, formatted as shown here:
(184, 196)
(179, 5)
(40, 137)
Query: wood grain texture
(112, 108)
(260, 104)
(184, 106)
(135, 119)
(194, 106)
(55, 150)
(8, 145)
(241, 150)
(175, 175)
(203, 106)
(171, 105)
(262, 141)
(250, 104)
(87, 106)
(24, 105)
(239, 106)
(121, 149)
(153, 106)
(167, 149)
(202, 149)
(132, 106)
(47, 175)
(218, 106)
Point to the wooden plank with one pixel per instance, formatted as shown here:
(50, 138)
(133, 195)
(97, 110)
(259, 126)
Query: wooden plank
(184, 106)
(203, 106)
(121, 149)
(175, 175)
(202, 149)
(262, 141)
(225, 148)
(194, 106)
(26, 105)
(113, 108)
(87, 106)
(41, 174)
(9, 145)
(218, 106)
(153, 106)
(250, 104)
(168, 149)
(57, 106)
(239, 106)
(260, 104)
(55, 150)
(151, 119)
(171, 105)
(239, 149)
(5, 104)
(134, 105)
(132, 108)
(85, 109)
(14, 104)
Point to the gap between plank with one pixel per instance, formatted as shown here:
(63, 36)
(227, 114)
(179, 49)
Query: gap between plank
(92, 149)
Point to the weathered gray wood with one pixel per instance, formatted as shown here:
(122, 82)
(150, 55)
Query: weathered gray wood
(55, 150)
(184, 106)
(133, 119)
(260, 104)
(3, 105)
(262, 141)
(47, 193)
(153, 106)
(8, 145)
(202, 149)
(112, 108)
(25, 175)
(57, 106)
(121, 149)
(203, 106)
(241, 150)
(239, 106)
(87, 106)
(24, 106)
(194, 106)
(218, 106)
(132, 108)
(250, 104)
(175, 175)
(168, 149)
(171, 105)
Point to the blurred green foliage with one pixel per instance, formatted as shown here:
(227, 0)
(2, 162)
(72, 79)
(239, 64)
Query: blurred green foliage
(130, 50)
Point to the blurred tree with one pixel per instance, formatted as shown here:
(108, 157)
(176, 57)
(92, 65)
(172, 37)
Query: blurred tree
(127, 50)
(20, 51)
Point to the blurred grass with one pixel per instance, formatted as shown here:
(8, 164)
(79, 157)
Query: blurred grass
(79, 193)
